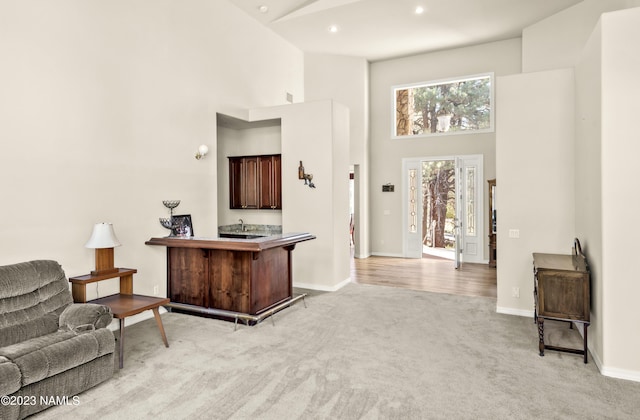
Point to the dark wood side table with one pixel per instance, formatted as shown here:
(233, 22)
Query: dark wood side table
(123, 304)
(562, 292)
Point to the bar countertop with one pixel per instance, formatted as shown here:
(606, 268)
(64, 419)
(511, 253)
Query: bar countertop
(233, 244)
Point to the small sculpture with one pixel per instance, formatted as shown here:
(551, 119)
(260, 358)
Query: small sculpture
(307, 177)
(307, 180)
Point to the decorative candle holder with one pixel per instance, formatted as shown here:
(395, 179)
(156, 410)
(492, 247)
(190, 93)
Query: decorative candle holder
(167, 222)
(171, 204)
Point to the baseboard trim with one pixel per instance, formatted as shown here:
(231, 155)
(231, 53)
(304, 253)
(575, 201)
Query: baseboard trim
(629, 375)
(513, 311)
(383, 254)
(323, 288)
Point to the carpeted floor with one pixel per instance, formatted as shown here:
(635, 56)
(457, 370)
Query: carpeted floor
(364, 352)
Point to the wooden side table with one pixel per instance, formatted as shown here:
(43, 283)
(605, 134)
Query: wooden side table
(123, 304)
(562, 292)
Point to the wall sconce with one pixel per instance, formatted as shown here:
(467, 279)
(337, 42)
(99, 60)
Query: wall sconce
(202, 151)
(307, 177)
(103, 239)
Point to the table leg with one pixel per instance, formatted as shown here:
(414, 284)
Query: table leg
(541, 335)
(156, 314)
(121, 355)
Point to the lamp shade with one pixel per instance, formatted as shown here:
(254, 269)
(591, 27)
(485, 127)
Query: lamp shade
(102, 236)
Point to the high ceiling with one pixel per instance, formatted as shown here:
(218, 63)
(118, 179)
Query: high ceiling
(383, 29)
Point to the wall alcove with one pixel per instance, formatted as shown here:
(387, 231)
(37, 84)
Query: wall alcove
(237, 137)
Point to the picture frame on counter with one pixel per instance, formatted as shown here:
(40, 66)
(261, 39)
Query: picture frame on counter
(182, 225)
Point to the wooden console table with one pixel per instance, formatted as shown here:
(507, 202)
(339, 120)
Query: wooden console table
(562, 293)
(123, 304)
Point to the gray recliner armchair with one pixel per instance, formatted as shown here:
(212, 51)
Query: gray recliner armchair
(50, 347)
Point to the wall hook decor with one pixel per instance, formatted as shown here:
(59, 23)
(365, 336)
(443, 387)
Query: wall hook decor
(307, 177)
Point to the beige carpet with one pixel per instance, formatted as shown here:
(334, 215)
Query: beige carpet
(364, 352)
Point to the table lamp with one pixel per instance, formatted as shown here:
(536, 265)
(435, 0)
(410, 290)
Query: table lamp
(103, 239)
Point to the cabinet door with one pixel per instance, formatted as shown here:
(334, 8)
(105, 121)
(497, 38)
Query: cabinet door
(563, 294)
(270, 182)
(250, 182)
(243, 182)
(276, 191)
(188, 276)
(235, 183)
(229, 273)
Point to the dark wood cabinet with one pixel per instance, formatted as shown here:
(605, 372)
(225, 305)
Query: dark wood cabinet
(218, 279)
(562, 292)
(255, 182)
(226, 277)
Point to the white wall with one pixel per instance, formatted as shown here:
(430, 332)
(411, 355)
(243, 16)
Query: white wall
(620, 203)
(315, 133)
(556, 42)
(588, 186)
(102, 109)
(535, 178)
(346, 80)
(605, 60)
(502, 58)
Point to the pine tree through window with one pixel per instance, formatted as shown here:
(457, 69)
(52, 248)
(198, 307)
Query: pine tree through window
(451, 106)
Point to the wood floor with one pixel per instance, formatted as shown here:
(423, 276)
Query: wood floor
(431, 274)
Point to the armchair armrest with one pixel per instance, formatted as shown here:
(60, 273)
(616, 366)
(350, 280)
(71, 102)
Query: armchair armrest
(84, 316)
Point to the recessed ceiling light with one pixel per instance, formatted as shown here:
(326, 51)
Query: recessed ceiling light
(333, 29)
(419, 10)
(263, 9)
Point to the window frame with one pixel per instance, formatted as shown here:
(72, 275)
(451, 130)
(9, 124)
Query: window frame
(490, 129)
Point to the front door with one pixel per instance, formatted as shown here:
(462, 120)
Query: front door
(469, 243)
(469, 208)
(458, 229)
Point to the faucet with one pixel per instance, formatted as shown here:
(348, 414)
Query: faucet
(241, 225)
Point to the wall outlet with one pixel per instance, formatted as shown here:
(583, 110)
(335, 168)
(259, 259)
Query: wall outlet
(514, 233)
(156, 290)
(515, 292)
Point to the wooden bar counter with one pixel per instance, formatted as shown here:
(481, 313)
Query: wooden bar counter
(245, 276)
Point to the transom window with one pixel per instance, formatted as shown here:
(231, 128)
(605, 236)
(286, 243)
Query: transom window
(448, 106)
